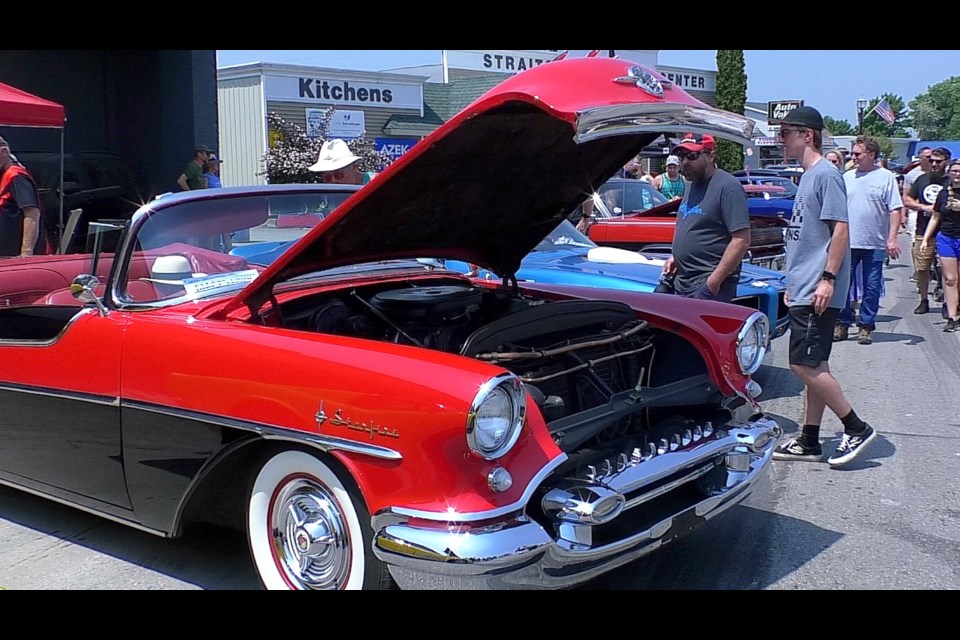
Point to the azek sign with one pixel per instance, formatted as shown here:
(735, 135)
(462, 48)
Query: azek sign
(343, 92)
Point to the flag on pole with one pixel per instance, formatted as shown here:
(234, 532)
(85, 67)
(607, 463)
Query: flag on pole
(884, 111)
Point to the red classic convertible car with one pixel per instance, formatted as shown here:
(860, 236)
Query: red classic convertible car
(369, 418)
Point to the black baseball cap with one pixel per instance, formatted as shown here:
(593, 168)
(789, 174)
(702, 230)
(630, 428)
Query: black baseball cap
(804, 117)
(202, 147)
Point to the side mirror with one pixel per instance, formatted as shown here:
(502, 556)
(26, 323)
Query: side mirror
(84, 289)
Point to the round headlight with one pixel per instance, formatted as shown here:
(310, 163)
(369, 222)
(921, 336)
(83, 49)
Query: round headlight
(496, 416)
(752, 343)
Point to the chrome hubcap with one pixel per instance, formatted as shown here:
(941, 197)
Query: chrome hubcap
(311, 542)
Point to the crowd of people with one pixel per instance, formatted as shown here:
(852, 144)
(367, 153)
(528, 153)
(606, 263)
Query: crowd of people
(848, 213)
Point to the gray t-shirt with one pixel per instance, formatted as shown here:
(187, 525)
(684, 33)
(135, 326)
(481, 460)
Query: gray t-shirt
(709, 214)
(911, 177)
(871, 197)
(820, 197)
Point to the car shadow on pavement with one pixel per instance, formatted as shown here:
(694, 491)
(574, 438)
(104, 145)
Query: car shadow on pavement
(777, 382)
(742, 549)
(204, 557)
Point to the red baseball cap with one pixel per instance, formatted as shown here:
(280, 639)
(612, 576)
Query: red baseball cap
(693, 143)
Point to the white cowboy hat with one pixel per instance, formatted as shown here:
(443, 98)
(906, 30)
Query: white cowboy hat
(334, 154)
(172, 270)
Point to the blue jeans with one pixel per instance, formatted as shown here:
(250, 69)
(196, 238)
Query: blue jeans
(870, 261)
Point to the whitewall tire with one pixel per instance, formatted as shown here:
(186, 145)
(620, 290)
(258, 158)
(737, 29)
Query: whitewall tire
(305, 529)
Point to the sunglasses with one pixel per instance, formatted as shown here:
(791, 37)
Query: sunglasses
(935, 161)
(784, 132)
(688, 155)
(834, 160)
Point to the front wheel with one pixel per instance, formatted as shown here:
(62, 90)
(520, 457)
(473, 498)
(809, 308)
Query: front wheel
(307, 530)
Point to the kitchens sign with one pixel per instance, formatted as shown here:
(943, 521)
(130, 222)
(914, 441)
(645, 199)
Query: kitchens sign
(777, 111)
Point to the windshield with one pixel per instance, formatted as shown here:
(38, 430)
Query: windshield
(564, 236)
(623, 197)
(198, 248)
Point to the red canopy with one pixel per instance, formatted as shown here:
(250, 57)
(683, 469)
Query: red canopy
(21, 109)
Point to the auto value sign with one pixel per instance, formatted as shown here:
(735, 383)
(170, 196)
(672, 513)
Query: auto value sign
(777, 111)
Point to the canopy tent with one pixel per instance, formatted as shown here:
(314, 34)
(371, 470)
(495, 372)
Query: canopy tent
(21, 109)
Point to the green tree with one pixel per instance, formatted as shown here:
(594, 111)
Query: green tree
(936, 113)
(839, 127)
(292, 151)
(731, 96)
(874, 125)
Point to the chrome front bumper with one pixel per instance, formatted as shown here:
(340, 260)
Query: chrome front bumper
(517, 552)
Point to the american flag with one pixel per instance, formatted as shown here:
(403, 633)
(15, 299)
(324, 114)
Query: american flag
(884, 111)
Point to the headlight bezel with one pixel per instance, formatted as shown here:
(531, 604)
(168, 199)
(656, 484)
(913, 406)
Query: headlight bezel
(513, 387)
(759, 325)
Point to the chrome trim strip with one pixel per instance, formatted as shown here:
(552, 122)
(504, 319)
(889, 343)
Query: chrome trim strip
(756, 317)
(64, 395)
(81, 311)
(271, 432)
(90, 510)
(666, 488)
(398, 513)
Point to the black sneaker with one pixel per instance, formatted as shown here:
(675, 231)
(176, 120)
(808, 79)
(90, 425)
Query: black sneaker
(951, 326)
(923, 307)
(851, 446)
(793, 450)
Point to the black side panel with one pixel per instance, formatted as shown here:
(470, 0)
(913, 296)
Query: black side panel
(68, 443)
(166, 454)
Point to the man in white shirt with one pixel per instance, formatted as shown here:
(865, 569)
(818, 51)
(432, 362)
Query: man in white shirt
(874, 207)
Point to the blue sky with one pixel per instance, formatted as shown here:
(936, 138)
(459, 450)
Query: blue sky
(830, 80)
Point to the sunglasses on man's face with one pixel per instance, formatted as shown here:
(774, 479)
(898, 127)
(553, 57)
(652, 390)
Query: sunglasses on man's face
(688, 155)
(937, 160)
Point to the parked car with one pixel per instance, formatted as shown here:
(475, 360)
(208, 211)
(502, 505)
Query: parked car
(566, 256)
(769, 195)
(372, 420)
(633, 215)
(98, 186)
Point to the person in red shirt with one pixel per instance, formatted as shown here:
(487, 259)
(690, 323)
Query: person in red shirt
(19, 207)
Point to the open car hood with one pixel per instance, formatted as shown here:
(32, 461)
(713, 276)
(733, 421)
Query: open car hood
(492, 182)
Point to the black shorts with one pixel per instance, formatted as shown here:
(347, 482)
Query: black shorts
(811, 335)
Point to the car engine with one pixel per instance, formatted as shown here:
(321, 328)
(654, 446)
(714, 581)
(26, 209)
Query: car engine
(590, 365)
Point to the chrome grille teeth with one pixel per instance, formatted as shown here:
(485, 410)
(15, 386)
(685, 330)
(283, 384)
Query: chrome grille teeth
(651, 451)
(622, 462)
(708, 429)
(687, 437)
(675, 442)
(663, 447)
(591, 473)
(697, 433)
(606, 469)
(637, 456)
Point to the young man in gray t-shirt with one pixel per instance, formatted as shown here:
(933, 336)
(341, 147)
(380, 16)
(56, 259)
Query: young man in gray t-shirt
(818, 275)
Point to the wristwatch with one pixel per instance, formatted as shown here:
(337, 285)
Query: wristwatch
(829, 277)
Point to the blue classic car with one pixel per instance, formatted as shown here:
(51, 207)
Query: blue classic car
(566, 256)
